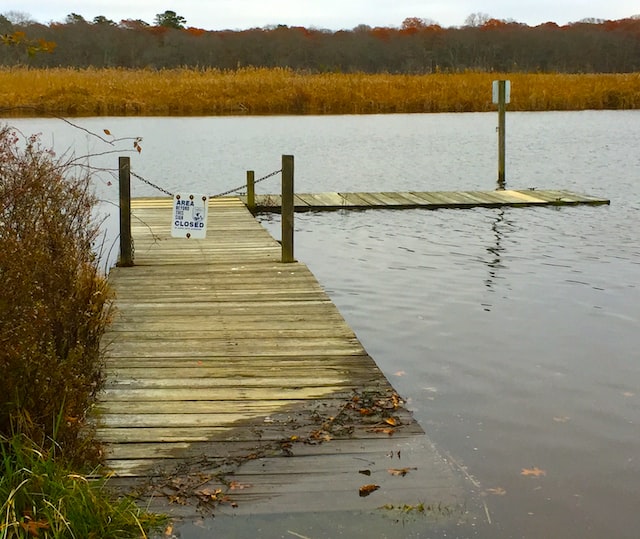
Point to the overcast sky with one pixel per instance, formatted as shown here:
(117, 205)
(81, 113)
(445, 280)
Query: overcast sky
(326, 14)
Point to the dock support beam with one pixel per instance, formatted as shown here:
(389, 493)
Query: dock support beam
(287, 209)
(251, 190)
(126, 251)
(502, 107)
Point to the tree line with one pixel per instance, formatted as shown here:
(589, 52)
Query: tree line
(417, 46)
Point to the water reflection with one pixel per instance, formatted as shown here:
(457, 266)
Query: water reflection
(495, 249)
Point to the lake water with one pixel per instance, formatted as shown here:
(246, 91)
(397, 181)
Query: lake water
(513, 333)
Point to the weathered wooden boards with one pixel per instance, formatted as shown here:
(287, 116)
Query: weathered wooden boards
(428, 200)
(227, 367)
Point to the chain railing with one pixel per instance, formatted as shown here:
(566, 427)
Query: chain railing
(238, 189)
(287, 206)
(144, 180)
(224, 193)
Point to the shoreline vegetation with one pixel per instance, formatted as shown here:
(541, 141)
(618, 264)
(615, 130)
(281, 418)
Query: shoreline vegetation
(29, 92)
(55, 309)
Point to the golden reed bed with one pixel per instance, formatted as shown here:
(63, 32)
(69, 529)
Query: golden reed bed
(179, 92)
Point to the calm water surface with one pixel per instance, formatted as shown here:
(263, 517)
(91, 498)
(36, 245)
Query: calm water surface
(513, 333)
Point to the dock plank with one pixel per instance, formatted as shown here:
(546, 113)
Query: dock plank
(219, 351)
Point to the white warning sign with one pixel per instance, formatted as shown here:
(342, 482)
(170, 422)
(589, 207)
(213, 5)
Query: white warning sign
(189, 216)
(495, 94)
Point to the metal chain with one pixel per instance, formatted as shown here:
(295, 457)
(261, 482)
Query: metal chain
(243, 186)
(234, 190)
(151, 184)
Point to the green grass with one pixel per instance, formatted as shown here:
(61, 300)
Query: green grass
(42, 498)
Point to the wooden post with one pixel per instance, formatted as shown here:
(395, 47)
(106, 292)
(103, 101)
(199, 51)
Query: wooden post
(287, 208)
(251, 190)
(502, 107)
(126, 252)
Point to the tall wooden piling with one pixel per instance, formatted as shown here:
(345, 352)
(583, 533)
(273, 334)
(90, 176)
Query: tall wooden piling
(287, 209)
(124, 176)
(502, 107)
(251, 190)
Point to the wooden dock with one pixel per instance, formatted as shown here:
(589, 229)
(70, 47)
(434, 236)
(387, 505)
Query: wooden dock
(235, 384)
(427, 200)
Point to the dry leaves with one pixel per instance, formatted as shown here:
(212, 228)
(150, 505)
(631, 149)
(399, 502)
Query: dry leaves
(498, 491)
(534, 472)
(208, 494)
(400, 471)
(384, 430)
(236, 485)
(33, 527)
(365, 490)
(216, 496)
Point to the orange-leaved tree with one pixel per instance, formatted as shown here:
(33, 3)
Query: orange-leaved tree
(32, 46)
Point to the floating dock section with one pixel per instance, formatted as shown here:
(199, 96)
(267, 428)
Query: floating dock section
(428, 200)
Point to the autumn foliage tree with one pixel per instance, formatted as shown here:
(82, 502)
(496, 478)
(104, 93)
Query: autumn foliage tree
(19, 40)
(418, 45)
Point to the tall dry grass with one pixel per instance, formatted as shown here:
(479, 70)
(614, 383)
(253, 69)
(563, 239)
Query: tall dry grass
(72, 92)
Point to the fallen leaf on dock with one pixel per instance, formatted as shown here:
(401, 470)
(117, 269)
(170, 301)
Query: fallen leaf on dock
(498, 491)
(391, 421)
(535, 471)
(385, 430)
(365, 490)
(400, 471)
(561, 419)
(208, 494)
(236, 485)
(396, 400)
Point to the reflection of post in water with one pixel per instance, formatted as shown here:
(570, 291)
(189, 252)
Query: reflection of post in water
(494, 261)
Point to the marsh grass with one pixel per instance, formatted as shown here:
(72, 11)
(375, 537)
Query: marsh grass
(183, 92)
(42, 498)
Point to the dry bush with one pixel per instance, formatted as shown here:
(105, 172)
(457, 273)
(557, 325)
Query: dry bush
(55, 303)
